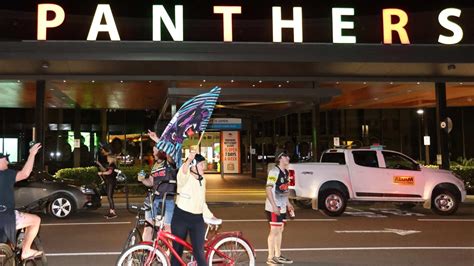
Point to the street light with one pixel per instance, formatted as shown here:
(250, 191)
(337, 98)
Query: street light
(420, 112)
(423, 123)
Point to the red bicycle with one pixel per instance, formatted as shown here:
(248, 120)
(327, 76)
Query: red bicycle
(227, 248)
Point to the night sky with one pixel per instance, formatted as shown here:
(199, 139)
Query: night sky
(251, 9)
(134, 19)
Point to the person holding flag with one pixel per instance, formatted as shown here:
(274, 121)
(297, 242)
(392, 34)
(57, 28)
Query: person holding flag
(191, 207)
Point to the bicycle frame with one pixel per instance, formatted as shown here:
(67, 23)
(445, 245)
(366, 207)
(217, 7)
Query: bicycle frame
(208, 246)
(164, 237)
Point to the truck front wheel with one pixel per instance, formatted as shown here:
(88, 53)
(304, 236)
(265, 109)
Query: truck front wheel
(332, 202)
(444, 202)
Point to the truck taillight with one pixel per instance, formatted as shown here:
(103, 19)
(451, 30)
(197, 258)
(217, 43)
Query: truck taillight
(292, 177)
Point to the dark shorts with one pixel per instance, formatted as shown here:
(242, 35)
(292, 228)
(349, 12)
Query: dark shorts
(276, 220)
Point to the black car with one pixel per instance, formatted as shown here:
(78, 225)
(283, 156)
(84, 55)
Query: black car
(58, 198)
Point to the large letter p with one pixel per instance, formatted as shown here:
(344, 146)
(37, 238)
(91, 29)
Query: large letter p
(44, 23)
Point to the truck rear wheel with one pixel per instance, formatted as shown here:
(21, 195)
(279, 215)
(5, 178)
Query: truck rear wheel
(332, 202)
(444, 202)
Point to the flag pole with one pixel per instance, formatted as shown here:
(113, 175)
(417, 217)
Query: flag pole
(200, 138)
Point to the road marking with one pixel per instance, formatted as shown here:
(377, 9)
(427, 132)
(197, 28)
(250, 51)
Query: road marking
(229, 221)
(296, 220)
(446, 220)
(82, 254)
(360, 213)
(98, 223)
(283, 249)
(387, 230)
(370, 248)
(397, 212)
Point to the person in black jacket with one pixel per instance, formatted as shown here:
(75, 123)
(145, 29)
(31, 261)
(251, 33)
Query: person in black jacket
(163, 169)
(110, 178)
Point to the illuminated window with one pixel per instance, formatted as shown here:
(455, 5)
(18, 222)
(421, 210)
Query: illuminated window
(10, 146)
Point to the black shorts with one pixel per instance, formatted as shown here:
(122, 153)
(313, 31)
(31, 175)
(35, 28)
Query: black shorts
(276, 220)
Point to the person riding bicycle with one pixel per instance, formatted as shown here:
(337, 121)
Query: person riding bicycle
(163, 169)
(12, 220)
(191, 207)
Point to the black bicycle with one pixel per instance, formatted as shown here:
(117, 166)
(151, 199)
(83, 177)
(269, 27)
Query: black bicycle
(10, 253)
(135, 235)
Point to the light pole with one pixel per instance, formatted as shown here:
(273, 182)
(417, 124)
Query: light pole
(424, 124)
(420, 112)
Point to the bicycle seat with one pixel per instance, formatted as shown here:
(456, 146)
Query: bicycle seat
(213, 221)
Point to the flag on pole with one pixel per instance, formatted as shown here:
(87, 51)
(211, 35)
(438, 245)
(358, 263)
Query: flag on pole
(192, 117)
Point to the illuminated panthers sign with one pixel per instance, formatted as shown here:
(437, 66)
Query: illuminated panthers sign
(394, 23)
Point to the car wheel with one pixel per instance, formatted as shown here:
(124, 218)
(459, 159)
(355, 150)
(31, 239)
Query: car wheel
(332, 202)
(62, 206)
(444, 202)
(303, 204)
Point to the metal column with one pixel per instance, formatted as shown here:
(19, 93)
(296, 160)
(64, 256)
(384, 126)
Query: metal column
(315, 122)
(253, 155)
(77, 136)
(40, 123)
(103, 126)
(442, 124)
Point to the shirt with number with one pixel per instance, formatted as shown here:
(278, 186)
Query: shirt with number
(279, 181)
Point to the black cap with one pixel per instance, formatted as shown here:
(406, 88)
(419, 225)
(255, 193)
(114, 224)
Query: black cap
(2, 155)
(280, 154)
(199, 158)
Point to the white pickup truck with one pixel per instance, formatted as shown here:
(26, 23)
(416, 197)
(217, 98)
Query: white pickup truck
(372, 175)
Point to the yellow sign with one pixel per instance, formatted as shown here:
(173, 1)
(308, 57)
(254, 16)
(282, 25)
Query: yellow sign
(404, 180)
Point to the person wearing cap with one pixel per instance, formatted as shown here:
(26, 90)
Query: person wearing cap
(163, 169)
(191, 207)
(11, 219)
(276, 207)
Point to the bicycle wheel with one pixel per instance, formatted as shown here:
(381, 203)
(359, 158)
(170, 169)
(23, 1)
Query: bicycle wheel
(133, 238)
(231, 251)
(7, 256)
(137, 256)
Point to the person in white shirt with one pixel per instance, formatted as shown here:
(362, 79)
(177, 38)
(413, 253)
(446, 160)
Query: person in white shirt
(191, 207)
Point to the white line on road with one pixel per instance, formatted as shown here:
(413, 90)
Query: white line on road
(228, 221)
(98, 223)
(446, 220)
(82, 254)
(283, 249)
(296, 220)
(400, 232)
(370, 248)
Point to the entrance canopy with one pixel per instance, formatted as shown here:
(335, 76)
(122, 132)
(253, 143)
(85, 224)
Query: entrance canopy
(265, 78)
